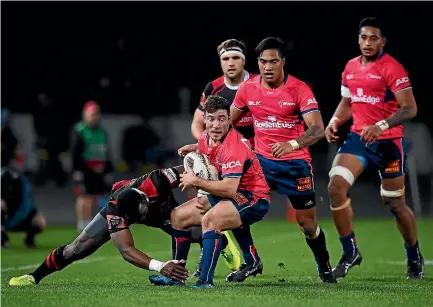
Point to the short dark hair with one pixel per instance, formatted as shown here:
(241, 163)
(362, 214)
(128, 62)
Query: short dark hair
(215, 103)
(231, 43)
(272, 43)
(129, 200)
(372, 22)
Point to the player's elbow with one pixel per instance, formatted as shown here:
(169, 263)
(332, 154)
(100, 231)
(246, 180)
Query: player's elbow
(414, 111)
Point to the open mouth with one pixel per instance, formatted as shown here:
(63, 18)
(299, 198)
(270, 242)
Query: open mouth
(232, 70)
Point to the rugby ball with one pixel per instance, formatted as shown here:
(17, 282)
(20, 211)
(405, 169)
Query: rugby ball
(200, 165)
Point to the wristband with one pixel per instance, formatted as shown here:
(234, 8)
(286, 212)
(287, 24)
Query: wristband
(383, 124)
(294, 144)
(155, 265)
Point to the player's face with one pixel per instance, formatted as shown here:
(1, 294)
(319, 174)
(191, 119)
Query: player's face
(271, 65)
(371, 41)
(92, 117)
(217, 124)
(232, 65)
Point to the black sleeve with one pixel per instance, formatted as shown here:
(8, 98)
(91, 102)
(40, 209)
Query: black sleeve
(165, 180)
(108, 161)
(206, 93)
(77, 148)
(115, 220)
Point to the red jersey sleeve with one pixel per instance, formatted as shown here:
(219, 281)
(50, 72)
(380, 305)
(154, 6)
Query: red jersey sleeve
(306, 100)
(206, 93)
(240, 101)
(233, 160)
(396, 77)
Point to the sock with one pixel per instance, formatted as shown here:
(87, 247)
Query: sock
(412, 253)
(349, 244)
(245, 240)
(53, 263)
(318, 247)
(212, 246)
(31, 233)
(180, 244)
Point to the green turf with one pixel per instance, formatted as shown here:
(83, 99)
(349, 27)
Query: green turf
(107, 280)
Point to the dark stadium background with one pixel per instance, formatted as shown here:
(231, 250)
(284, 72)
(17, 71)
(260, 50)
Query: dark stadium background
(64, 48)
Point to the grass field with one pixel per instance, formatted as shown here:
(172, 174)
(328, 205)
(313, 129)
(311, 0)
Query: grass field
(105, 279)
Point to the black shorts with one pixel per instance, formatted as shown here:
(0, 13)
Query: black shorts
(93, 184)
(26, 223)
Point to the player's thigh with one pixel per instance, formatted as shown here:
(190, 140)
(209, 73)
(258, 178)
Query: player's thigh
(269, 170)
(294, 177)
(223, 216)
(391, 164)
(250, 208)
(190, 213)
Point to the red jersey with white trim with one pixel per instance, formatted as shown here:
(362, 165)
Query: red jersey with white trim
(234, 158)
(220, 88)
(277, 113)
(371, 87)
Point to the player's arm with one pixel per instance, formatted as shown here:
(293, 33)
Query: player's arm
(198, 126)
(315, 131)
(166, 179)
(124, 242)
(226, 187)
(407, 111)
(77, 148)
(239, 106)
(398, 82)
(184, 150)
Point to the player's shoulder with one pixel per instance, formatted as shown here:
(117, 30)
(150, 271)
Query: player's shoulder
(218, 82)
(353, 61)
(293, 82)
(234, 139)
(387, 61)
(251, 82)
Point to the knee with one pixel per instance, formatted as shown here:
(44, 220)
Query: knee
(40, 222)
(337, 187)
(209, 221)
(177, 219)
(307, 221)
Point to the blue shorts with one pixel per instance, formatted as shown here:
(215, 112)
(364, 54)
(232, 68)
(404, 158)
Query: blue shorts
(250, 208)
(293, 178)
(387, 156)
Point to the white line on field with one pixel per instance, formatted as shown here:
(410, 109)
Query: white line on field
(33, 266)
(404, 262)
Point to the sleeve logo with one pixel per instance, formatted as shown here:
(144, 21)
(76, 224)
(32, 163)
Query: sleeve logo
(401, 81)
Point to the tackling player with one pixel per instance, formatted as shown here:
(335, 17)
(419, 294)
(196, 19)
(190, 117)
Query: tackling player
(377, 93)
(280, 104)
(240, 199)
(145, 200)
(232, 58)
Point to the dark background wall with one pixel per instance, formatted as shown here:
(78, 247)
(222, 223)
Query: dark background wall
(65, 48)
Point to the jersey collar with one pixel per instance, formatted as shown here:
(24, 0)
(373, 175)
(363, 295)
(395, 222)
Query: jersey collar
(236, 87)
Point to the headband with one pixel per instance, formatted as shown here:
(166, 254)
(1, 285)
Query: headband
(233, 50)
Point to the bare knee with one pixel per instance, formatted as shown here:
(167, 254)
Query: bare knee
(337, 190)
(307, 221)
(210, 221)
(40, 222)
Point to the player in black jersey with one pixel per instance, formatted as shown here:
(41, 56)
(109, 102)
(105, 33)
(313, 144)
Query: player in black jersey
(145, 200)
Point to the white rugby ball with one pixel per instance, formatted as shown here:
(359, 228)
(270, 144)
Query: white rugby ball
(200, 165)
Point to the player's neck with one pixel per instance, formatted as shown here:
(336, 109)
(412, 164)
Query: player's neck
(273, 85)
(371, 59)
(235, 81)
